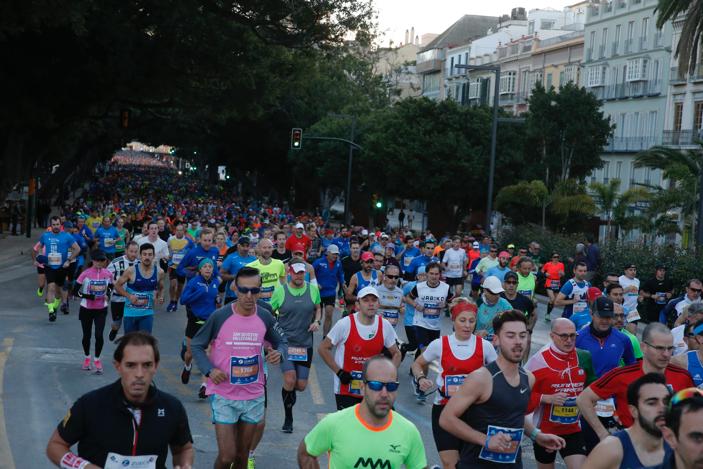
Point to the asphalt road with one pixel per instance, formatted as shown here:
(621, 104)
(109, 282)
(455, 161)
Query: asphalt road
(41, 376)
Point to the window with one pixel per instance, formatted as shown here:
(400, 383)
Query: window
(593, 40)
(524, 82)
(604, 38)
(513, 49)
(570, 74)
(645, 28)
(430, 83)
(507, 82)
(697, 115)
(606, 172)
(617, 35)
(561, 78)
(678, 112)
(637, 69)
(475, 89)
(630, 30)
(549, 81)
(547, 24)
(618, 170)
(502, 52)
(652, 124)
(596, 76)
(451, 67)
(535, 77)
(531, 27)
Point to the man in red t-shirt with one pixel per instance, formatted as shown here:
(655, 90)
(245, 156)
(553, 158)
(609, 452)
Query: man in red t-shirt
(657, 349)
(299, 241)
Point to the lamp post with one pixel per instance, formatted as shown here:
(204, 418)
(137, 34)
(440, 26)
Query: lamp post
(494, 131)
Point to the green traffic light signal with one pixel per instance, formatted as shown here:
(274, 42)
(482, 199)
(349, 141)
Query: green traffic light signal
(379, 204)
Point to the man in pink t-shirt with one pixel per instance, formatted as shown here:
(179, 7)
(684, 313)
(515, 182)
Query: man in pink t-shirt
(236, 335)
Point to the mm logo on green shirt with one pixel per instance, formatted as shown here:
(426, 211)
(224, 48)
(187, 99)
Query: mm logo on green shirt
(377, 464)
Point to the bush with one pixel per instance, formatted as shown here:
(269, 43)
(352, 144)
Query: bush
(682, 265)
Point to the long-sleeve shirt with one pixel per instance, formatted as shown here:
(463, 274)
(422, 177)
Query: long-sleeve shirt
(329, 276)
(193, 258)
(199, 294)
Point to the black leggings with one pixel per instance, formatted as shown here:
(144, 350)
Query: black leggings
(87, 317)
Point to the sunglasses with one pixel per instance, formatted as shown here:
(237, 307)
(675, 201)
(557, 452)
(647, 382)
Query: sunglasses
(392, 276)
(245, 290)
(368, 262)
(379, 385)
(571, 336)
(697, 290)
(555, 257)
(684, 395)
(511, 282)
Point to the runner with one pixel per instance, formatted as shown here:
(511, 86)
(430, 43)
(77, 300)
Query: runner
(631, 285)
(488, 411)
(57, 245)
(232, 264)
(360, 436)
(123, 237)
(390, 295)
(366, 277)
(93, 287)
(502, 268)
(142, 285)
(656, 293)
(616, 295)
(199, 297)
(330, 275)
(298, 306)
(642, 444)
(409, 316)
(454, 264)
(573, 296)
(488, 262)
(519, 302)
(692, 360)
(272, 271)
(188, 267)
(490, 304)
(118, 267)
(281, 253)
(406, 256)
(128, 411)
(684, 420)
(106, 236)
(426, 257)
(356, 338)
(429, 298)
(675, 308)
(559, 378)
(236, 334)
(554, 271)
(526, 279)
(299, 240)
(178, 246)
(457, 355)
(657, 349)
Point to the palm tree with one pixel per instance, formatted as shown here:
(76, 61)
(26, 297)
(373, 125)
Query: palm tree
(691, 32)
(683, 169)
(616, 206)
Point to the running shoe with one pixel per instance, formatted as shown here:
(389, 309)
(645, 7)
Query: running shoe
(547, 318)
(98, 367)
(52, 316)
(185, 375)
(64, 308)
(251, 462)
(201, 392)
(287, 425)
(40, 292)
(86, 364)
(112, 335)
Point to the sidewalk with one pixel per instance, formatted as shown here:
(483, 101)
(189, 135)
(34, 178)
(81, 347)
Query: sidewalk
(15, 250)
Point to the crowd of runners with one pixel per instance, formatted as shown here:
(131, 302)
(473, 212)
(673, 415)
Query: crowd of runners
(264, 289)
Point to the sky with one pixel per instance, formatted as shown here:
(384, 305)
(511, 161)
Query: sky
(434, 16)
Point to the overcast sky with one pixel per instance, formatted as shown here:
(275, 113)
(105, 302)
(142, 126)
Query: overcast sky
(434, 16)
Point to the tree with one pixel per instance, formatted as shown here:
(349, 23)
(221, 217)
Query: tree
(616, 206)
(689, 44)
(520, 201)
(566, 131)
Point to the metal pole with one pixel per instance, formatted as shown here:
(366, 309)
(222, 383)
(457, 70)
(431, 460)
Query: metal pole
(699, 227)
(347, 196)
(492, 166)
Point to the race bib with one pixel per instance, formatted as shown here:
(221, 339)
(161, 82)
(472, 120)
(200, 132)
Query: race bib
(407, 260)
(633, 316)
(507, 456)
(580, 307)
(566, 413)
(605, 407)
(97, 288)
(55, 259)
(297, 354)
(430, 312)
(554, 284)
(244, 370)
(117, 461)
(144, 301)
(355, 383)
(391, 315)
(452, 383)
(177, 258)
(660, 298)
(266, 293)
(109, 242)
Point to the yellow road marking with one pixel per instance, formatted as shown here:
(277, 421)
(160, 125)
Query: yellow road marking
(6, 459)
(314, 386)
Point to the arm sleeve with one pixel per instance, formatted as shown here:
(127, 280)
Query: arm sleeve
(319, 439)
(191, 292)
(628, 355)
(72, 427)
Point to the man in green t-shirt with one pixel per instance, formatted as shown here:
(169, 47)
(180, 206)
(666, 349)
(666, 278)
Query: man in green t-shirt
(369, 434)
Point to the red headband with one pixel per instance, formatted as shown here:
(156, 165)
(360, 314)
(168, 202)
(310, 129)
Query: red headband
(459, 308)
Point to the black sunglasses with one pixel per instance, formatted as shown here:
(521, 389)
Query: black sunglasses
(392, 276)
(245, 290)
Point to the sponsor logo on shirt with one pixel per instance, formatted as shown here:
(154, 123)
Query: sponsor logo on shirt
(377, 464)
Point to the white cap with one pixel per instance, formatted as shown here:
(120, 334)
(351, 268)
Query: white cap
(297, 267)
(367, 291)
(333, 249)
(364, 232)
(299, 226)
(384, 235)
(493, 285)
(475, 245)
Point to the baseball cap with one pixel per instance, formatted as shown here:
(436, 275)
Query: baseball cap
(594, 293)
(366, 256)
(243, 240)
(364, 232)
(297, 251)
(504, 254)
(511, 246)
(493, 285)
(98, 255)
(297, 267)
(367, 291)
(67, 225)
(604, 307)
(475, 245)
(384, 235)
(333, 249)
(390, 246)
(299, 226)
(510, 275)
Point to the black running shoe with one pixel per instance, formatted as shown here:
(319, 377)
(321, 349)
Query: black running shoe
(287, 425)
(64, 308)
(52, 316)
(185, 375)
(112, 335)
(201, 393)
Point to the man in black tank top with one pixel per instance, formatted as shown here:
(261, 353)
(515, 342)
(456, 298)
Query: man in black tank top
(488, 412)
(642, 444)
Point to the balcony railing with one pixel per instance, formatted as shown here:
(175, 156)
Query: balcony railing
(658, 39)
(636, 89)
(614, 48)
(676, 77)
(629, 144)
(506, 99)
(601, 51)
(681, 137)
(628, 46)
(697, 73)
(589, 54)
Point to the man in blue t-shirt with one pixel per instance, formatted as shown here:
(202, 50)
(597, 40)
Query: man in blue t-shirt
(233, 263)
(107, 236)
(421, 261)
(61, 249)
(573, 296)
(408, 253)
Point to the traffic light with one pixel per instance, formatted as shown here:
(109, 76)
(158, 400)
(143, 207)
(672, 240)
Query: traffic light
(375, 201)
(124, 118)
(379, 204)
(296, 139)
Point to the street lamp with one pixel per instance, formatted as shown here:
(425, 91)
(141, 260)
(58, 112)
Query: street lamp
(494, 131)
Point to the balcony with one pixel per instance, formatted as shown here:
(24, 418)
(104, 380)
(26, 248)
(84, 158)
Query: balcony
(628, 46)
(507, 99)
(601, 51)
(681, 137)
(676, 78)
(643, 43)
(697, 73)
(614, 50)
(635, 89)
(629, 144)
